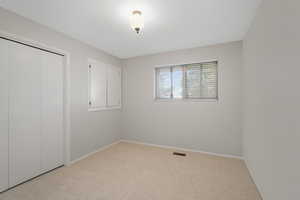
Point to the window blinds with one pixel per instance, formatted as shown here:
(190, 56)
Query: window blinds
(191, 81)
(163, 83)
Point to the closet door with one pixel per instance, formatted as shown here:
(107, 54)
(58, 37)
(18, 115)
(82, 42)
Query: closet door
(52, 111)
(31, 112)
(25, 113)
(3, 115)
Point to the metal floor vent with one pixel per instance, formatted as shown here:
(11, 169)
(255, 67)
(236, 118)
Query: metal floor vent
(179, 154)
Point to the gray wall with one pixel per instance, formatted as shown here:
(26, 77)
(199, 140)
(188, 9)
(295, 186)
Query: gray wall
(271, 99)
(207, 126)
(89, 130)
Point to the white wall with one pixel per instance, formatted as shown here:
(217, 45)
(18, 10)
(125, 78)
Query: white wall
(271, 126)
(207, 126)
(89, 130)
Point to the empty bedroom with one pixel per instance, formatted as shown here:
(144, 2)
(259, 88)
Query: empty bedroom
(149, 100)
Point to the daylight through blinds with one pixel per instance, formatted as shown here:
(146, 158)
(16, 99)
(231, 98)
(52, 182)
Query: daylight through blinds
(190, 81)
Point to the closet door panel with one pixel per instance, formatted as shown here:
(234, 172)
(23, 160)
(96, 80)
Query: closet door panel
(3, 114)
(25, 113)
(52, 111)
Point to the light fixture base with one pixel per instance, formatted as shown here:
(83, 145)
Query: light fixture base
(137, 30)
(136, 12)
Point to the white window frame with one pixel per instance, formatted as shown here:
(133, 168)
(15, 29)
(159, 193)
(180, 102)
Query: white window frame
(184, 99)
(111, 107)
(106, 107)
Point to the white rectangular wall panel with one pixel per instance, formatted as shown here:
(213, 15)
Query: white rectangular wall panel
(97, 85)
(3, 115)
(114, 87)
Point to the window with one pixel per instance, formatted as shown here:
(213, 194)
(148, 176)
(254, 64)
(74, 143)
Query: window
(104, 86)
(113, 86)
(190, 81)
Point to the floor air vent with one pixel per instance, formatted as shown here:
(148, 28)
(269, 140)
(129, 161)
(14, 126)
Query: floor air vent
(179, 154)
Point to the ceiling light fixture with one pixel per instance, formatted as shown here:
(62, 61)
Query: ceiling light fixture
(137, 21)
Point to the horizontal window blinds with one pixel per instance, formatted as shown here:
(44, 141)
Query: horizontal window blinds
(190, 81)
(164, 86)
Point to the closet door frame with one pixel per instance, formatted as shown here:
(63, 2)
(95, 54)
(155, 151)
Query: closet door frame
(66, 85)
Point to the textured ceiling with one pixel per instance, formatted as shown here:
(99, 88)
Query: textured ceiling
(169, 24)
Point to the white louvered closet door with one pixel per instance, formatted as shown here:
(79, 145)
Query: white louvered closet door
(35, 111)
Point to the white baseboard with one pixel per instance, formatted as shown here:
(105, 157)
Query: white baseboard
(251, 173)
(183, 149)
(93, 152)
(154, 145)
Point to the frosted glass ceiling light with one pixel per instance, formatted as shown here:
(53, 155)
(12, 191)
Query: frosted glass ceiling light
(137, 21)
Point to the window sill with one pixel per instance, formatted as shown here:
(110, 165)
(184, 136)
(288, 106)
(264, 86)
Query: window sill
(185, 100)
(103, 109)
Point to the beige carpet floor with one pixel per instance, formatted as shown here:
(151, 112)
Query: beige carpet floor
(128, 171)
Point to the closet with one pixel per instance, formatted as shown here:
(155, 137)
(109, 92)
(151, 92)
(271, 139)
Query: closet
(31, 112)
